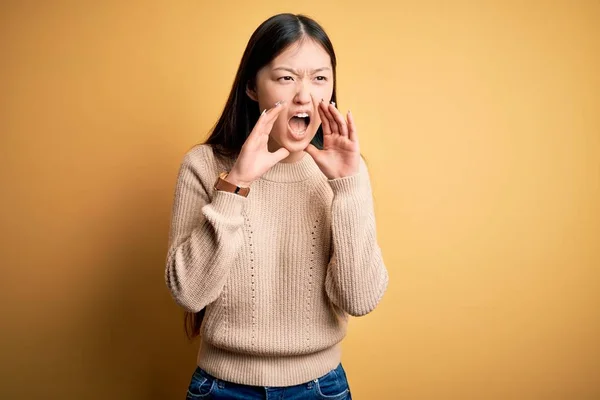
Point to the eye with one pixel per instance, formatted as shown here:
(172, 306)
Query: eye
(286, 78)
(321, 78)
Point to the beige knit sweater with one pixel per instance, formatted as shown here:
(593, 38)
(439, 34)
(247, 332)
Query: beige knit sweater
(278, 271)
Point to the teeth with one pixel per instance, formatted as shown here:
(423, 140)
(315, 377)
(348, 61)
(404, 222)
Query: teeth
(301, 115)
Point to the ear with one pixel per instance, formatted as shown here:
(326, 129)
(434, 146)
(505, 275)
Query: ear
(251, 92)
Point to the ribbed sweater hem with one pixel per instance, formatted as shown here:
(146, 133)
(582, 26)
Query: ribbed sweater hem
(272, 371)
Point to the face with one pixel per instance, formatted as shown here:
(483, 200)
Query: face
(301, 75)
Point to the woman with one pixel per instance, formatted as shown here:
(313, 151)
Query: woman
(273, 241)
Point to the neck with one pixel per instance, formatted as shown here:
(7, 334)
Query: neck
(293, 171)
(291, 158)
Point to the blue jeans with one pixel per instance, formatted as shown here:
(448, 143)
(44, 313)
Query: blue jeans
(331, 386)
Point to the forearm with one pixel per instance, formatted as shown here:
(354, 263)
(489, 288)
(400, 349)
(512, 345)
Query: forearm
(357, 277)
(205, 236)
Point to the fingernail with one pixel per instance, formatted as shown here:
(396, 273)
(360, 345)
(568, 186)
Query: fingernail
(333, 102)
(264, 112)
(279, 103)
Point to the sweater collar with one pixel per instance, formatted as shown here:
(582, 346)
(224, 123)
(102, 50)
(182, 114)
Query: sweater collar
(293, 172)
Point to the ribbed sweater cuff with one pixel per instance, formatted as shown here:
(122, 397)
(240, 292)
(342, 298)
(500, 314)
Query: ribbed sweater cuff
(349, 185)
(228, 204)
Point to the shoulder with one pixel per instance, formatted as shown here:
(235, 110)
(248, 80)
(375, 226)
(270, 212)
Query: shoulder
(202, 160)
(199, 154)
(200, 166)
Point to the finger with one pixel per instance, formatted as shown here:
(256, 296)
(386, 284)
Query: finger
(264, 124)
(324, 120)
(352, 135)
(277, 107)
(280, 154)
(332, 124)
(312, 151)
(270, 116)
(272, 113)
(330, 120)
(316, 107)
(339, 120)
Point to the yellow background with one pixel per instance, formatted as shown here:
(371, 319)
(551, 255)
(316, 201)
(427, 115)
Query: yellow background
(480, 122)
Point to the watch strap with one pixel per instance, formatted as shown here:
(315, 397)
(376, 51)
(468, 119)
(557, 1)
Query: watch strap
(225, 186)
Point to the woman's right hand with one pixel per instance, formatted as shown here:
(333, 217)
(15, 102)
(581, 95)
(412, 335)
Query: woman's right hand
(255, 158)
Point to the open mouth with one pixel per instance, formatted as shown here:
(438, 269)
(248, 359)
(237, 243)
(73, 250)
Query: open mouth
(299, 123)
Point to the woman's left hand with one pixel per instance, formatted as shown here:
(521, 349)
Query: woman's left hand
(340, 156)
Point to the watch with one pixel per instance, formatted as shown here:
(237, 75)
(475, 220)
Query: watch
(225, 186)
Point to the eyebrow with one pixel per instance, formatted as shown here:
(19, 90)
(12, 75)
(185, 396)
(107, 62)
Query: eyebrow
(293, 71)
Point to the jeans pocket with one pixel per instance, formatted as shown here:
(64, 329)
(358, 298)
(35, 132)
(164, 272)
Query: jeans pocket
(333, 385)
(201, 386)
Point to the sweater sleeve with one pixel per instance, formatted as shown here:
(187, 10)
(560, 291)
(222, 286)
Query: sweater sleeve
(205, 237)
(356, 277)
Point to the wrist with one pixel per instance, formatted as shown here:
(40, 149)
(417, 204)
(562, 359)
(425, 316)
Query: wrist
(343, 174)
(235, 179)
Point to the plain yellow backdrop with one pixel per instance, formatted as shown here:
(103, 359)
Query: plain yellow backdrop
(480, 122)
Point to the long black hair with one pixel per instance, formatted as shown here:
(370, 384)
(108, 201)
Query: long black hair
(240, 114)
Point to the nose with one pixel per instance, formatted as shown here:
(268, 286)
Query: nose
(303, 94)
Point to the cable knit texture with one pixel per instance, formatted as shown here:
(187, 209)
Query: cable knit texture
(278, 272)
